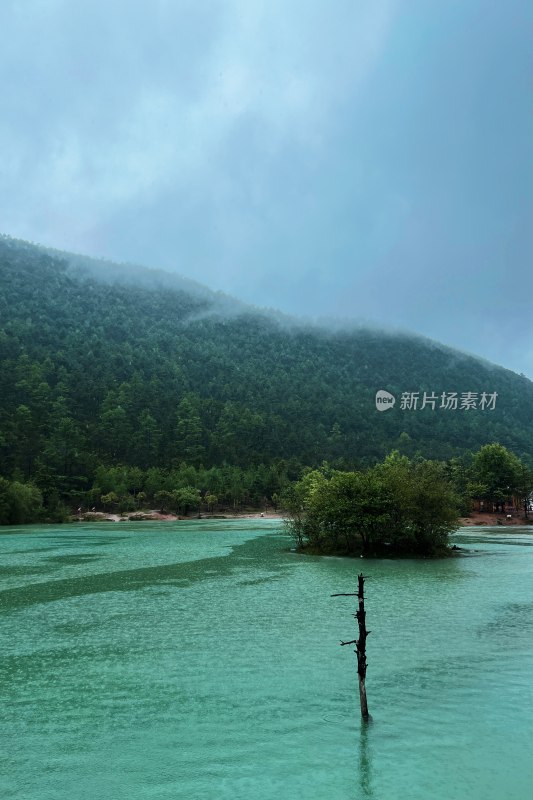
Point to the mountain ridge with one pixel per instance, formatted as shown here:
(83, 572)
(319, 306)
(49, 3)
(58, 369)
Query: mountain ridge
(156, 278)
(97, 373)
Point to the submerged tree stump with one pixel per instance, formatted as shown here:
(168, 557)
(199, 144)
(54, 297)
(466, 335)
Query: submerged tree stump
(360, 644)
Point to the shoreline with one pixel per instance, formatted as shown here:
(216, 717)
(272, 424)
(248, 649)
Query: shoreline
(494, 520)
(157, 516)
(476, 519)
(151, 515)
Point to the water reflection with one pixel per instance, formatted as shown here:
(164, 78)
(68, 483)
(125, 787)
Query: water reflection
(365, 760)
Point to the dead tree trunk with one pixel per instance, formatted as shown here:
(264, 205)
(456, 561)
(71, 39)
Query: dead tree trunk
(361, 647)
(360, 644)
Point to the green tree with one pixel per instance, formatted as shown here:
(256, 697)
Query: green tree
(27, 440)
(189, 434)
(110, 499)
(19, 503)
(116, 432)
(135, 479)
(140, 499)
(499, 473)
(146, 440)
(164, 500)
(351, 510)
(524, 488)
(186, 498)
(397, 506)
(211, 500)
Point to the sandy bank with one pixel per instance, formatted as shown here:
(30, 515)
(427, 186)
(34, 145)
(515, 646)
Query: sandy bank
(156, 516)
(479, 518)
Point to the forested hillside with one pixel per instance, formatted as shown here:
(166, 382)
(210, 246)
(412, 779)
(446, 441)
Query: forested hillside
(101, 367)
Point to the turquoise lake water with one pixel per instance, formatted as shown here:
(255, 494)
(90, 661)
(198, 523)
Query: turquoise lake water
(201, 660)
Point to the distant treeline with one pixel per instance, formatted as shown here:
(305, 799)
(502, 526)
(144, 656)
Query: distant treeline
(122, 489)
(98, 376)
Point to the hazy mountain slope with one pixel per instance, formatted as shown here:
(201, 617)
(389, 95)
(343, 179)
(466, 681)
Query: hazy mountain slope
(146, 371)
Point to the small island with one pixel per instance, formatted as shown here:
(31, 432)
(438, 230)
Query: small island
(403, 507)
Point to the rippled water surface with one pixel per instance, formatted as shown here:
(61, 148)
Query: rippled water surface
(201, 660)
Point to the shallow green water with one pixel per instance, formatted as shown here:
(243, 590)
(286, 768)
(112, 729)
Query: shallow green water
(201, 660)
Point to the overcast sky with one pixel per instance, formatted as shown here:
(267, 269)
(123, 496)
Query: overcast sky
(363, 158)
